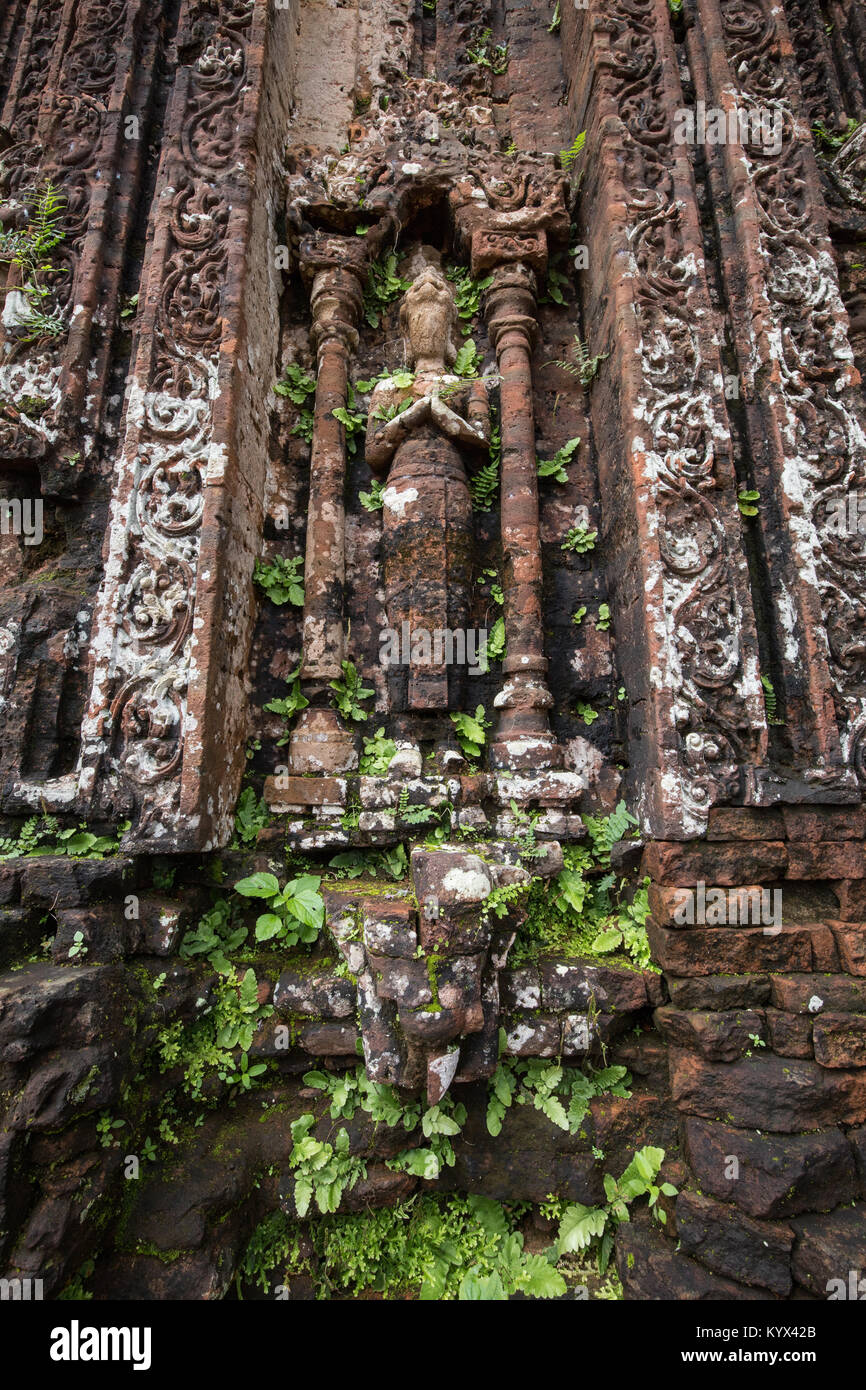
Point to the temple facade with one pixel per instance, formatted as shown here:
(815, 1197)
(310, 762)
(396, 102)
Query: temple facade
(432, 632)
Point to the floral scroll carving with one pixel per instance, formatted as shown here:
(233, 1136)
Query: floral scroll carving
(714, 691)
(169, 447)
(58, 138)
(825, 433)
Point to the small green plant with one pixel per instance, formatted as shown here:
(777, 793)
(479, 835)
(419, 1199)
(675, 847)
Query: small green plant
(215, 937)
(491, 576)
(390, 412)
(322, 1171)
(357, 863)
(163, 875)
(555, 467)
(484, 485)
(206, 1047)
(574, 913)
(602, 622)
(567, 157)
(289, 704)
(525, 822)
(579, 539)
(29, 248)
(32, 406)
(471, 733)
(42, 835)
(439, 1125)
(586, 712)
(429, 1247)
(467, 360)
(401, 379)
(486, 54)
(833, 140)
(558, 285)
(495, 649)
(578, 616)
(237, 1025)
(629, 930)
(557, 18)
(106, 1129)
(580, 1226)
(281, 579)
(378, 754)
(550, 1088)
(349, 692)
(503, 899)
(78, 947)
(299, 387)
(353, 421)
(747, 500)
(771, 701)
(606, 831)
(383, 286)
(295, 913)
(251, 816)
(582, 365)
(417, 815)
(244, 1075)
(75, 1291)
(373, 500)
(467, 295)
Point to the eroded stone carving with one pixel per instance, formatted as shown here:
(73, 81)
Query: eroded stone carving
(145, 650)
(704, 659)
(821, 427)
(417, 438)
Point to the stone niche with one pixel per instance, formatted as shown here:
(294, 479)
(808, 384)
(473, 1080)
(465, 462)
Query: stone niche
(428, 440)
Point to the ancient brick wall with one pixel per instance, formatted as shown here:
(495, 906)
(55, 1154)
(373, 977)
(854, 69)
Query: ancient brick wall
(322, 323)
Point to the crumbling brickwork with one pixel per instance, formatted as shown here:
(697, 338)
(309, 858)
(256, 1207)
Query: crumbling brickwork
(337, 339)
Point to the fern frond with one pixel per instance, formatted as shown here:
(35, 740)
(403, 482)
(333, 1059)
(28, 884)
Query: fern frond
(567, 157)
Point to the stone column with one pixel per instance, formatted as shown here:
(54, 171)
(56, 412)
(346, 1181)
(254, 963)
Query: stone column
(163, 736)
(523, 738)
(321, 742)
(800, 388)
(671, 532)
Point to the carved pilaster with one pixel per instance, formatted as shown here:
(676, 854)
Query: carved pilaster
(672, 535)
(334, 268)
(163, 736)
(81, 132)
(799, 383)
(523, 738)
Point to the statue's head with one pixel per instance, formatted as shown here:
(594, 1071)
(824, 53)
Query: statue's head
(428, 318)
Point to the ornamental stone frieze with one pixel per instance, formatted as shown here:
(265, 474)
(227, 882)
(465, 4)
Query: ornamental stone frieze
(432, 654)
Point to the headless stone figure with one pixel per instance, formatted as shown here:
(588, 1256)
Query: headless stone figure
(442, 427)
